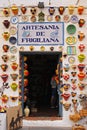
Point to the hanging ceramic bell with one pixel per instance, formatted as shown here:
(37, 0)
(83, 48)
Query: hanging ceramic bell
(4, 77)
(73, 94)
(26, 72)
(4, 67)
(6, 23)
(74, 86)
(73, 74)
(61, 10)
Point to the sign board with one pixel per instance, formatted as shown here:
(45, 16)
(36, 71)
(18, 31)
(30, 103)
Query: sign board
(41, 33)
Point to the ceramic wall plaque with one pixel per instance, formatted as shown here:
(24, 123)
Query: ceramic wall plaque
(71, 50)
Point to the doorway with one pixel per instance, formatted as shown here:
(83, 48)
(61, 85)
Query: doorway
(41, 68)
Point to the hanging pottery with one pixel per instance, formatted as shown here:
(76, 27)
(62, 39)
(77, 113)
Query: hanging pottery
(81, 76)
(73, 81)
(33, 11)
(66, 106)
(23, 9)
(14, 9)
(4, 77)
(74, 86)
(26, 82)
(51, 10)
(66, 67)
(5, 58)
(66, 86)
(81, 22)
(6, 23)
(25, 66)
(51, 48)
(81, 57)
(25, 58)
(4, 67)
(6, 35)
(61, 10)
(80, 10)
(81, 67)
(71, 9)
(81, 36)
(41, 17)
(4, 98)
(26, 72)
(73, 67)
(73, 74)
(14, 76)
(6, 12)
(74, 101)
(73, 94)
(31, 48)
(14, 66)
(41, 5)
(81, 86)
(81, 47)
(65, 96)
(12, 40)
(66, 76)
(13, 98)
(14, 86)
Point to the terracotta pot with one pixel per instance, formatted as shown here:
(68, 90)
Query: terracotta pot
(81, 76)
(80, 10)
(66, 106)
(14, 9)
(61, 10)
(74, 87)
(81, 86)
(4, 98)
(6, 35)
(14, 86)
(14, 66)
(73, 74)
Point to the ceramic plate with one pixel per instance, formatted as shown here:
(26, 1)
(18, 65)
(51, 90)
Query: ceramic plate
(33, 19)
(13, 30)
(14, 20)
(71, 29)
(12, 40)
(66, 18)
(49, 18)
(24, 18)
(13, 58)
(57, 18)
(13, 49)
(71, 59)
(74, 19)
(71, 40)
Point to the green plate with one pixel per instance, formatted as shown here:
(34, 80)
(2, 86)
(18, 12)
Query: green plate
(71, 29)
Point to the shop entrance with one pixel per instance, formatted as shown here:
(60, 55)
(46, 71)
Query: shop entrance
(41, 67)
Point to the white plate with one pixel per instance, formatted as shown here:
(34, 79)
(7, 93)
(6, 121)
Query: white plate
(13, 58)
(14, 20)
(74, 19)
(13, 49)
(13, 30)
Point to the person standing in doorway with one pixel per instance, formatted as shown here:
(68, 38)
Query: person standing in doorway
(54, 83)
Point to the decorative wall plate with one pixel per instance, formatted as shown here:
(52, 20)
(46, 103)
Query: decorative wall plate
(12, 40)
(14, 19)
(24, 18)
(57, 18)
(71, 50)
(33, 19)
(66, 18)
(13, 30)
(49, 18)
(71, 29)
(13, 58)
(71, 59)
(74, 19)
(13, 49)
(71, 40)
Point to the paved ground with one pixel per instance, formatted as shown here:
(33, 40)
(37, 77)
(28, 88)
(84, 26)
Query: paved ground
(45, 128)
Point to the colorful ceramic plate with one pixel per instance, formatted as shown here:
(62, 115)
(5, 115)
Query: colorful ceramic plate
(71, 29)
(14, 20)
(13, 49)
(33, 19)
(71, 40)
(57, 18)
(12, 40)
(74, 19)
(13, 30)
(13, 58)
(24, 18)
(71, 59)
(66, 18)
(49, 18)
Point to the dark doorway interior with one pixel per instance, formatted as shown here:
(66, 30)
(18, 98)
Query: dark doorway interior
(41, 67)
